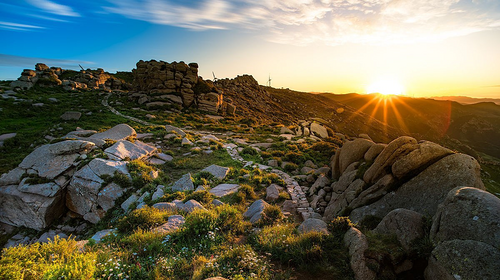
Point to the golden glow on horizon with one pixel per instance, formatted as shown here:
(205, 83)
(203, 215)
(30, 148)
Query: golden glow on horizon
(386, 87)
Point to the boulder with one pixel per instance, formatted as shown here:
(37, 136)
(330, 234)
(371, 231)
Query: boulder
(171, 128)
(424, 192)
(313, 224)
(98, 236)
(255, 211)
(185, 183)
(272, 192)
(353, 151)
(219, 172)
(320, 183)
(319, 130)
(424, 155)
(373, 193)
(107, 196)
(192, 205)
(174, 223)
(394, 150)
(126, 204)
(286, 130)
(374, 151)
(13, 177)
(125, 149)
(224, 189)
(357, 244)
(468, 214)
(51, 160)
(116, 133)
(338, 203)
(29, 209)
(407, 225)
(159, 193)
(186, 141)
(71, 116)
(463, 259)
(85, 195)
(335, 165)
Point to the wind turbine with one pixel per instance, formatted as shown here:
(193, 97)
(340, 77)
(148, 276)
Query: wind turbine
(213, 74)
(269, 81)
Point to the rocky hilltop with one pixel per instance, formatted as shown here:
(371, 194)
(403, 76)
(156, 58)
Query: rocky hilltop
(178, 177)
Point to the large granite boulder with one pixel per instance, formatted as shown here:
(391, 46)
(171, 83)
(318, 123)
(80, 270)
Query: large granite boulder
(463, 259)
(424, 155)
(394, 150)
(254, 212)
(424, 192)
(31, 206)
(86, 194)
(357, 244)
(407, 225)
(353, 151)
(468, 214)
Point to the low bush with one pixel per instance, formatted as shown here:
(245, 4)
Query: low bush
(144, 218)
(58, 259)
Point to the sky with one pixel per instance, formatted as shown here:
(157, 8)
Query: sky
(426, 47)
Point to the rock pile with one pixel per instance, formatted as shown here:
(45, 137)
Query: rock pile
(373, 179)
(61, 176)
(70, 80)
(163, 84)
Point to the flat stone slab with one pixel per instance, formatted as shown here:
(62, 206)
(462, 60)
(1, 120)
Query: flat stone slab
(224, 189)
(219, 172)
(126, 149)
(185, 183)
(71, 116)
(118, 132)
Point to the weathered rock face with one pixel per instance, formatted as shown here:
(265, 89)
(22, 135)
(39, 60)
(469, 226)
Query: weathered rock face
(29, 209)
(163, 84)
(357, 244)
(124, 149)
(407, 225)
(463, 259)
(404, 174)
(424, 192)
(87, 197)
(468, 214)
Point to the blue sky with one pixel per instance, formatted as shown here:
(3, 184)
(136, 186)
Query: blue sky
(431, 47)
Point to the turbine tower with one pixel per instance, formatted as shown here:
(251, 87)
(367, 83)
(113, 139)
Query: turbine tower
(269, 81)
(215, 79)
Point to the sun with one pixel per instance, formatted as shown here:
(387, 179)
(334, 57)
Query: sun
(386, 87)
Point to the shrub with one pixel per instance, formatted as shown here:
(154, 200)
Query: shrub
(59, 259)
(339, 226)
(203, 197)
(200, 222)
(173, 196)
(271, 215)
(245, 192)
(143, 218)
(140, 173)
(289, 167)
(249, 151)
(295, 157)
(144, 242)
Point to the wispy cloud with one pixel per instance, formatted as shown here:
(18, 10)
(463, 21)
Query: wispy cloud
(19, 26)
(332, 22)
(24, 61)
(54, 8)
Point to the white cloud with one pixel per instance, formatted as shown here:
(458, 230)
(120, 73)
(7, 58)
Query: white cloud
(18, 26)
(331, 22)
(54, 8)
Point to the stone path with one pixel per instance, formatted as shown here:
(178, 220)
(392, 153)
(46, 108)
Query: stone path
(293, 188)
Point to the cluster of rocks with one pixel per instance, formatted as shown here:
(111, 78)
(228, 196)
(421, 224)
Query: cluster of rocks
(63, 176)
(400, 183)
(163, 84)
(54, 76)
(313, 129)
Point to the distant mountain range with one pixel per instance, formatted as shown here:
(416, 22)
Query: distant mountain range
(467, 100)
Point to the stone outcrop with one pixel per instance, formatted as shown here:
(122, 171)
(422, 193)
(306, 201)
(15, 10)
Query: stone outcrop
(467, 233)
(35, 201)
(407, 225)
(168, 85)
(357, 244)
(86, 196)
(403, 174)
(44, 76)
